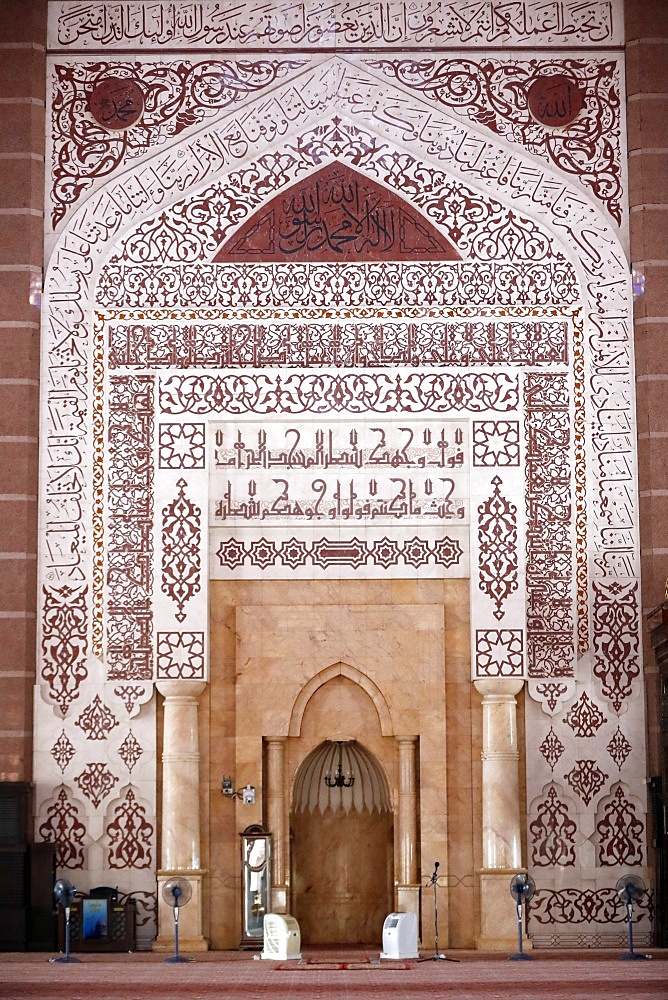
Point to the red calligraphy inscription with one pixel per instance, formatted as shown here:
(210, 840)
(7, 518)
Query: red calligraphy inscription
(337, 214)
(116, 103)
(555, 101)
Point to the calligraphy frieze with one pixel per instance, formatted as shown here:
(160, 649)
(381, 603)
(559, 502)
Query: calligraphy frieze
(334, 472)
(352, 497)
(364, 344)
(312, 24)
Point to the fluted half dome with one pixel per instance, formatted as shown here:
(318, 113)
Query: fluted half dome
(369, 791)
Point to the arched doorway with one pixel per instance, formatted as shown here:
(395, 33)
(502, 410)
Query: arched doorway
(341, 825)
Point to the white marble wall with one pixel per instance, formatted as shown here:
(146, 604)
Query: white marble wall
(538, 376)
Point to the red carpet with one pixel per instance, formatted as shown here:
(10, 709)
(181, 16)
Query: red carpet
(238, 976)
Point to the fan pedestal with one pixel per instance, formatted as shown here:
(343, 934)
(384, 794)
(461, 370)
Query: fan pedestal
(498, 924)
(190, 921)
(631, 888)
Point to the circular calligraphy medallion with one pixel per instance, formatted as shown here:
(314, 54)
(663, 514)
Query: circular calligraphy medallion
(555, 101)
(116, 103)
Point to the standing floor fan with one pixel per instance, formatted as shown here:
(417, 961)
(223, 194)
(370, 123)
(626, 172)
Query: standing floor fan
(522, 888)
(64, 893)
(177, 892)
(630, 888)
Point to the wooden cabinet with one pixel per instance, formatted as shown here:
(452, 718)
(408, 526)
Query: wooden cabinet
(27, 875)
(99, 923)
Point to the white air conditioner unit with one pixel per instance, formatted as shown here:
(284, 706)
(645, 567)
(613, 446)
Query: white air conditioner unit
(400, 936)
(282, 938)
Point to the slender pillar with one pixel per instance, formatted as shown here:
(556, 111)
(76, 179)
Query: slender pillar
(277, 821)
(501, 835)
(180, 829)
(408, 889)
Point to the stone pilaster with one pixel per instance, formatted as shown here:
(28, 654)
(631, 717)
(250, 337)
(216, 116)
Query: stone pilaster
(277, 822)
(408, 889)
(501, 838)
(181, 814)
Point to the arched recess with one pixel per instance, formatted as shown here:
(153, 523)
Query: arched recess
(342, 849)
(328, 674)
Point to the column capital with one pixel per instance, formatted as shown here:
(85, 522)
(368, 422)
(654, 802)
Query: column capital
(180, 688)
(505, 687)
(275, 740)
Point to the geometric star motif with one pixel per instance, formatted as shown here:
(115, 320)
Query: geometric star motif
(499, 653)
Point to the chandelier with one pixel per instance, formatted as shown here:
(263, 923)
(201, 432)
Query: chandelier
(340, 780)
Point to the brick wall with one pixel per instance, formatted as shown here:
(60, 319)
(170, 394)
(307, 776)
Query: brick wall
(22, 88)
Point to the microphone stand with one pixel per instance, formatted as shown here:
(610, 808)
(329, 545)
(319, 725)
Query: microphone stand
(437, 956)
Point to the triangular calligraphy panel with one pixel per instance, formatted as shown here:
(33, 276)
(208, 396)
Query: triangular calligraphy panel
(337, 214)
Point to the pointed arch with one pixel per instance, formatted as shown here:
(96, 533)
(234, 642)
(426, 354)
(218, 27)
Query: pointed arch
(352, 674)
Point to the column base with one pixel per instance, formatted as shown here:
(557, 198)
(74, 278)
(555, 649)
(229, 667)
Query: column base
(279, 899)
(186, 944)
(190, 915)
(498, 913)
(407, 899)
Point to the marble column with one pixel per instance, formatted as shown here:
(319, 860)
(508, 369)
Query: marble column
(501, 835)
(407, 881)
(277, 822)
(180, 830)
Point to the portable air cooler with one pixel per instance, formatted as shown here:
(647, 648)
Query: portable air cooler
(282, 938)
(400, 936)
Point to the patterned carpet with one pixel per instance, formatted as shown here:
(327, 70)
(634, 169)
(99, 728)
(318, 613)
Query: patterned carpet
(238, 976)
(334, 965)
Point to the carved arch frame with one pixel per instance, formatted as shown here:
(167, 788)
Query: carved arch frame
(352, 674)
(487, 164)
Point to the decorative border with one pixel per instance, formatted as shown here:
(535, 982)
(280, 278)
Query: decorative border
(549, 557)
(314, 289)
(325, 553)
(129, 574)
(345, 392)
